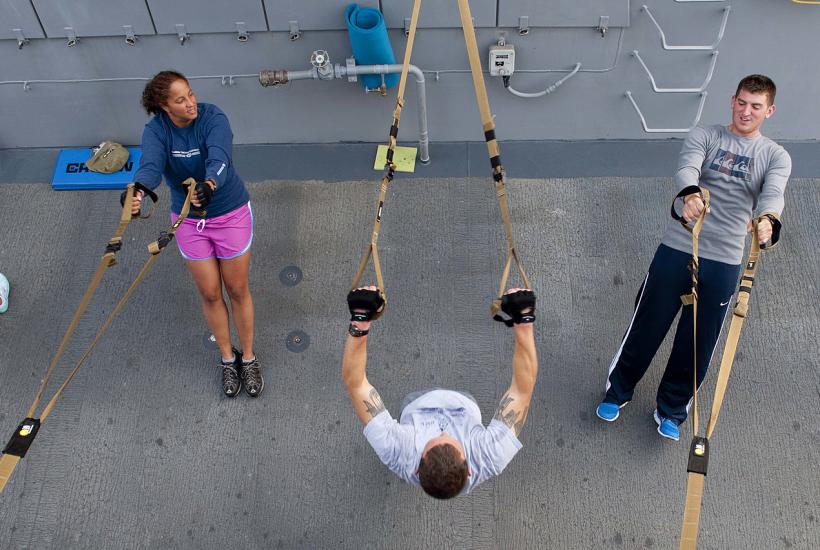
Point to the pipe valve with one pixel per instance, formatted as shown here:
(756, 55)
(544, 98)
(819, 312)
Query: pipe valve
(320, 60)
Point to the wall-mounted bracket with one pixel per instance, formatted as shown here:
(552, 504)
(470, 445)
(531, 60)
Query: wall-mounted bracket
(603, 25)
(350, 63)
(21, 38)
(26, 86)
(712, 46)
(524, 25)
(406, 26)
(649, 130)
(242, 31)
(656, 89)
(293, 28)
(181, 34)
(130, 37)
(71, 36)
(227, 80)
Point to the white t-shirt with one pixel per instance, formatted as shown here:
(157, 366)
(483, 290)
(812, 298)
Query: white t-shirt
(399, 445)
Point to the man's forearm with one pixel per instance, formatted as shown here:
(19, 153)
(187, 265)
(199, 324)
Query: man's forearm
(525, 360)
(354, 361)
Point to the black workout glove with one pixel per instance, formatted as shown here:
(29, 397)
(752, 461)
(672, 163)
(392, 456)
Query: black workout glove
(364, 304)
(203, 193)
(515, 304)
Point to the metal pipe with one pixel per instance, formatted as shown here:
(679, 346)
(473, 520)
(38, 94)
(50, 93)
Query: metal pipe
(678, 90)
(421, 96)
(712, 46)
(272, 78)
(649, 130)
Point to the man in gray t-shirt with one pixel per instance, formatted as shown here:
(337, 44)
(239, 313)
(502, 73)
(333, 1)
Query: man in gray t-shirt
(746, 175)
(439, 441)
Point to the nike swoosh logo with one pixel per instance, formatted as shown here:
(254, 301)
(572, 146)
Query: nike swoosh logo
(724, 303)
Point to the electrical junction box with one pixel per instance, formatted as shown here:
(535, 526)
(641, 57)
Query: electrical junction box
(502, 60)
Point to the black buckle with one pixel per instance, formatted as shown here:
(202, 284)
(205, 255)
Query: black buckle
(389, 171)
(113, 247)
(23, 437)
(698, 456)
(164, 239)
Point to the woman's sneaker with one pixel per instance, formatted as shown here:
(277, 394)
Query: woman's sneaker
(231, 379)
(4, 293)
(252, 376)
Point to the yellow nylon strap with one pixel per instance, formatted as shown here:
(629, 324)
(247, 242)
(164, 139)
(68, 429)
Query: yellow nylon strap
(739, 314)
(492, 150)
(691, 513)
(108, 259)
(7, 465)
(155, 250)
(694, 487)
(9, 462)
(692, 299)
(372, 248)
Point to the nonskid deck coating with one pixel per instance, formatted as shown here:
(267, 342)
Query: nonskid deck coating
(144, 452)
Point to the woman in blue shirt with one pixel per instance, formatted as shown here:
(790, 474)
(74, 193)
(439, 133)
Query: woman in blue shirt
(188, 139)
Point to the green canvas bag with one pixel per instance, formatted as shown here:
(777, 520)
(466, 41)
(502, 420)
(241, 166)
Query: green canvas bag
(108, 158)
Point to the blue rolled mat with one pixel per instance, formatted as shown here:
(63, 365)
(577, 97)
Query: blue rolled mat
(371, 46)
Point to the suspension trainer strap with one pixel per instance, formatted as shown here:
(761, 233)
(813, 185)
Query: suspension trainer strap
(691, 299)
(389, 167)
(699, 448)
(155, 248)
(24, 435)
(108, 259)
(493, 151)
(699, 452)
(739, 314)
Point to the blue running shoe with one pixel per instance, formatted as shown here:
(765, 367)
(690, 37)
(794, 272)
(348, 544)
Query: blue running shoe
(667, 427)
(609, 412)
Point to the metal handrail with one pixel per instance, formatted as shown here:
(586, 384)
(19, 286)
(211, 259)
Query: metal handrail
(683, 1)
(649, 130)
(656, 89)
(712, 46)
(809, 2)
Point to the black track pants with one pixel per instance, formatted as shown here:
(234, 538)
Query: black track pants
(656, 306)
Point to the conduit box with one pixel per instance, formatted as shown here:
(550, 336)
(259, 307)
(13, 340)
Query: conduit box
(502, 60)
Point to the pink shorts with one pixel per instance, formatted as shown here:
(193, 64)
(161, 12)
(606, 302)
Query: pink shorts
(225, 237)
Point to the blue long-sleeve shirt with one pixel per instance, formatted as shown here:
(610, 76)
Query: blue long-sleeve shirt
(201, 151)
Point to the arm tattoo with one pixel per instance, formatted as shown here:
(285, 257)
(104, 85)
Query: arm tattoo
(511, 418)
(373, 403)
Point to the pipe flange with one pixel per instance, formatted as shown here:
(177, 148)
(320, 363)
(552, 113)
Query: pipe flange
(297, 341)
(290, 276)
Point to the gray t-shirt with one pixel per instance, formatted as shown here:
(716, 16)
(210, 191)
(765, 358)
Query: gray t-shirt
(399, 444)
(743, 175)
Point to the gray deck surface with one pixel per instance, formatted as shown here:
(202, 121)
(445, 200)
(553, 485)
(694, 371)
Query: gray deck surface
(143, 451)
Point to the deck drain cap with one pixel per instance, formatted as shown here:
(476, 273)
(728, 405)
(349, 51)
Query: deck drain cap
(290, 276)
(297, 341)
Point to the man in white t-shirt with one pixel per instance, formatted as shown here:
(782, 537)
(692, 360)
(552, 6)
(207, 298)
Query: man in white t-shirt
(439, 441)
